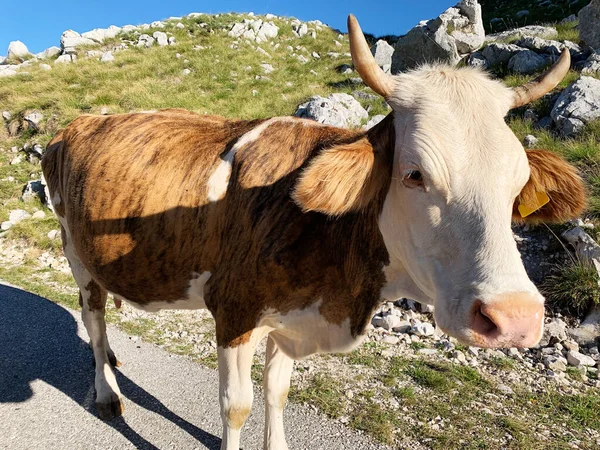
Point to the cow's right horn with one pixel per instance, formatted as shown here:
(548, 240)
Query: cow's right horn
(364, 62)
(535, 89)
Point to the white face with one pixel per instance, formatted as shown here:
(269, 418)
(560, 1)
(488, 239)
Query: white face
(446, 220)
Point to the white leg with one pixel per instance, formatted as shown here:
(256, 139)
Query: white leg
(93, 303)
(235, 387)
(276, 381)
(108, 395)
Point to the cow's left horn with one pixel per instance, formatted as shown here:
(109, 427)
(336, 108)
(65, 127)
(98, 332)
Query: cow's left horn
(535, 89)
(364, 62)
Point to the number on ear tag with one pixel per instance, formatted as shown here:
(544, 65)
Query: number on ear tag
(540, 200)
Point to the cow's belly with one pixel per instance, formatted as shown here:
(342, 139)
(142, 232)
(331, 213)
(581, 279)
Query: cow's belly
(193, 299)
(303, 332)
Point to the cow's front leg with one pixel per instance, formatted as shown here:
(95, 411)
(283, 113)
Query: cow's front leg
(235, 384)
(276, 381)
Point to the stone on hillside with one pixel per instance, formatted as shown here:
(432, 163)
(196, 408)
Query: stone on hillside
(17, 50)
(592, 64)
(555, 331)
(522, 13)
(530, 141)
(496, 54)
(576, 359)
(254, 30)
(589, 24)
(577, 105)
(70, 40)
(180, 26)
(423, 329)
(387, 323)
(65, 59)
(107, 57)
(267, 68)
(572, 18)
(145, 40)
(45, 67)
(527, 62)
(34, 118)
(18, 215)
(517, 33)
(382, 51)
(340, 110)
(373, 121)
(457, 32)
(476, 59)
(161, 38)
(541, 45)
(300, 30)
(99, 35)
(7, 71)
(555, 363)
(39, 215)
(49, 53)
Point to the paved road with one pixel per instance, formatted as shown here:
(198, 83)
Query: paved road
(47, 392)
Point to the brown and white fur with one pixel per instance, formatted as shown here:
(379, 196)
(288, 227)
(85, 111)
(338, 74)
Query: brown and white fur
(294, 230)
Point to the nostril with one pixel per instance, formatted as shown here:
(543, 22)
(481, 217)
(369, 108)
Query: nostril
(482, 323)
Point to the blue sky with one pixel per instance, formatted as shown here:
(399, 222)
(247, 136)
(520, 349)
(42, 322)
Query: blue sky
(39, 23)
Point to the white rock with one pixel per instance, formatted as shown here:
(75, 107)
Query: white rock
(423, 329)
(267, 68)
(70, 40)
(530, 141)
(49, 53)
(53, 234)
(578, 359)
(180, 26)
(577, 105)
(107, 57)
(6, 225)
(45, 67)
(161, 38)
(186, 71)
(592, 64)
(340, 110)
(39, 215)
(18, 215)
(18, 50)
(65, 59)
(517, 33)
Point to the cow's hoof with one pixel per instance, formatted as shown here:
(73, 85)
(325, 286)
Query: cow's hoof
(112, 359)
(108, 411)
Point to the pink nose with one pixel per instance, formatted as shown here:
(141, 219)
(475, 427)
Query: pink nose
(510, 320)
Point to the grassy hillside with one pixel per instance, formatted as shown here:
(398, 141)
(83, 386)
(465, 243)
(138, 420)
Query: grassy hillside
(411, 400)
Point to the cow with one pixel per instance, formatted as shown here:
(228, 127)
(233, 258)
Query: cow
(298, 231)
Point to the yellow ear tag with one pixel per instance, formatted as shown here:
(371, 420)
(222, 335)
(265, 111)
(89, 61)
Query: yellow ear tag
(540, 200)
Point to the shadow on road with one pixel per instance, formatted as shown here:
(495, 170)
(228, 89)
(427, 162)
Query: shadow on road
(39, 341)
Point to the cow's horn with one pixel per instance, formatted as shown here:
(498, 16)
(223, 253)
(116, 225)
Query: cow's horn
(535, 89)
(364, 62)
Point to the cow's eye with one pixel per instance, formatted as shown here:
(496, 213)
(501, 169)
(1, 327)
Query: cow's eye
(412, 178)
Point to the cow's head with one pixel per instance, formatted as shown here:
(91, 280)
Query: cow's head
(458, 177)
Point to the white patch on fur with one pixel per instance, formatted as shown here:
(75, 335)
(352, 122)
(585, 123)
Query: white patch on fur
(150, 111)
(302, 332)
(219, 181)
(194, 298)
(80, 273)
(55, 200)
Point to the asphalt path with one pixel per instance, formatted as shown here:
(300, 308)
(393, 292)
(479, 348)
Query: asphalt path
(47, 392)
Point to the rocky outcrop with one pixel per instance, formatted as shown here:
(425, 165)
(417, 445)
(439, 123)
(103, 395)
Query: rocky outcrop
(382, 52)
(17, 50)
(340, 110)
(449, 38)
(589, 24)
(577, 105)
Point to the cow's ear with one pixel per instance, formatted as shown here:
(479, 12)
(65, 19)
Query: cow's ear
(552, 180)
(342, 179)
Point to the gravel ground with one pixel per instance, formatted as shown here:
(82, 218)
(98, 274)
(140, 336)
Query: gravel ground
(47, 392)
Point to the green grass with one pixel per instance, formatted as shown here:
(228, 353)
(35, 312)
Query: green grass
(324, 392)
(573, 287)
